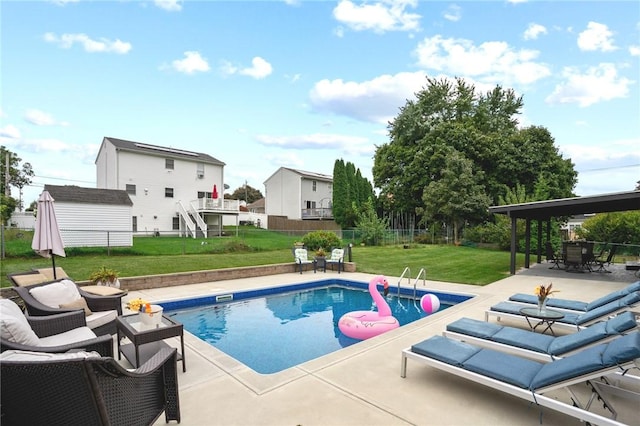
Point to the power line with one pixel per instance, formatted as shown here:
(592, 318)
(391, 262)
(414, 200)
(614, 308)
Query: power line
(607, 168)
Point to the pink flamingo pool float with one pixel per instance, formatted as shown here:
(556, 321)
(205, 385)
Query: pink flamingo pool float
(365, 324)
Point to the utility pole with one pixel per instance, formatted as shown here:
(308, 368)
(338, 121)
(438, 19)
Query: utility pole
(7, 192)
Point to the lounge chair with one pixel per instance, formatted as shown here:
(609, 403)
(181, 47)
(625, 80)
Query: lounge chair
(571, 320)
(301, 258)
(531, 380)
(337, 258)
(540, 347)
(86, 389)
(51, 333)
(576, 305)
(66, 296)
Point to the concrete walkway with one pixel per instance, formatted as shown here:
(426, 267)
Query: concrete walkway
(361, 384)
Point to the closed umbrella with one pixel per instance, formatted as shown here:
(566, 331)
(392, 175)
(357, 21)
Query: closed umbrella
(214, 195)
(47, 241)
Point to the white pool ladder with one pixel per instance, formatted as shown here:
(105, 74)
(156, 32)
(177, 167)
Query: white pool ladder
(406, 271)
(423, 273)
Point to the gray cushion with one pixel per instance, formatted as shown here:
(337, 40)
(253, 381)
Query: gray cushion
(446, 350)
(14, 326)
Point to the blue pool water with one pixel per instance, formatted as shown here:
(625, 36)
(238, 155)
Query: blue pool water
(274, 331)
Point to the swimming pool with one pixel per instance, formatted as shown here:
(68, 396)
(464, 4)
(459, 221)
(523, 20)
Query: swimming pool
(273, 329)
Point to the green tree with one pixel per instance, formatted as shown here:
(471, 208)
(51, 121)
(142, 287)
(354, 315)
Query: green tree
(246, 193)
(350, 191)
(483, 128)
(617, 227)
(457, 197)
(340, 196)
(18, 177)
(372, 228)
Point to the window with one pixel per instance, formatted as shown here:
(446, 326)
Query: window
(168, 163)
(134, 222)
(131, 189)
(314, 184)
(168, 192)
(200, 171)
(176, 223)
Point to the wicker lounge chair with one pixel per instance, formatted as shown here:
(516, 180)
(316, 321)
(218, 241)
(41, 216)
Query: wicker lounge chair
(86, 389)
(47, 298)
(577, 305)
(571, 320)
(533, 381)
(540, 347)
(51, 333)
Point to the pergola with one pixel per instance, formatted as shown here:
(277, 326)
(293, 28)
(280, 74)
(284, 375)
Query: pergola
(545, 210)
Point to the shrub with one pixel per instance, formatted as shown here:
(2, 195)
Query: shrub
(325, 239)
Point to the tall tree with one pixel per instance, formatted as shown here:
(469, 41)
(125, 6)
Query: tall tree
(15, 176)
(247, 193)
(350, 191)
(457, 197)
(483, 128)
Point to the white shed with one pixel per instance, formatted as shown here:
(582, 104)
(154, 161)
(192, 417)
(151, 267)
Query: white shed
(92, 217)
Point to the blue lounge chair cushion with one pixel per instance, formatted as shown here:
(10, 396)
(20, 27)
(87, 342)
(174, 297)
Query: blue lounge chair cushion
(621, 323)
(614, 296)
(573, 305)
(524, 339)
(583, 362)
(475, 328)
(504, 367)
(445, 350)
(622, 349)
(626, 301)
(569, 342)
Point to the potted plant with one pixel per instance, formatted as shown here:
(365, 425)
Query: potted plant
(105, 276)
(320, 252)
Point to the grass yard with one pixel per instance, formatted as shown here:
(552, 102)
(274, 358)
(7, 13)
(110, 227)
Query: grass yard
(163, 255)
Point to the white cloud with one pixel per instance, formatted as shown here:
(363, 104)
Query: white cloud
(634, 50)
(596, 37)
(453, 13)
(9, 132)
(312, 141)
(533, 31)
(191, 63)
(380, 16)
(491, 62)
(63, 2)
(597, 84)
(170, 5)
(39, 118)
(287, 159)
(259, 68)
(376, 100)
(66, 41)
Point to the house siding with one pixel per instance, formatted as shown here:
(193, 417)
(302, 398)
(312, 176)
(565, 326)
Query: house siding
(287, 192)
(94, 225)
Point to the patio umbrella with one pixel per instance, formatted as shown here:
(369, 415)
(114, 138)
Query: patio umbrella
(215, 192)
(47, 241)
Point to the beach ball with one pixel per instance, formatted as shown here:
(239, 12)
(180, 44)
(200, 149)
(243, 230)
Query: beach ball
(430, 303)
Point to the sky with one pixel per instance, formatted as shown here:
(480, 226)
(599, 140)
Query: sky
(300, 83)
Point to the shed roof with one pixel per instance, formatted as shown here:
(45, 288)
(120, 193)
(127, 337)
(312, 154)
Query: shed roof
(602, 203)
(77, 194)
(157, 150)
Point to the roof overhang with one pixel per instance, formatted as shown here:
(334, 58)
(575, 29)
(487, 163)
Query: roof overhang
(542, 210)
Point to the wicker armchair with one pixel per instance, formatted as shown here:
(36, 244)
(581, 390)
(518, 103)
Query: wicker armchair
(89, 390)
(94, 302)
(52, 325)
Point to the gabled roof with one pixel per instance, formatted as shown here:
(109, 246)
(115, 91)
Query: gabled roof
(77, 194)
(615, 202)
(148, 149)
(304, 174)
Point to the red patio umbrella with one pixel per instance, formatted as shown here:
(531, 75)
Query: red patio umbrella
(47, 241)
(215, 192)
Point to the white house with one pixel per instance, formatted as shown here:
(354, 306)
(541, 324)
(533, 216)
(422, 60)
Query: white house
(91, 217)
(174, 191)
(297, 194)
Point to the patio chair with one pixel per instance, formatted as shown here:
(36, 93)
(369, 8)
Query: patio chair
(552, 256)
(66, 296)
(600, 262)
(532, 381)
(540, 347)
(576, 305)
(572, 320)
(51, 333)
(301, 258)
(337, 258)
(86, 389)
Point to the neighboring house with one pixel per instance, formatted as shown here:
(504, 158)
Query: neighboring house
(173, 190)
(257, 206)
(575, 222)
(297, 194)
(91, 217)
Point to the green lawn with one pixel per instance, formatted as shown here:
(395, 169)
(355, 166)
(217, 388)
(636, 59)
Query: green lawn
(163, 255)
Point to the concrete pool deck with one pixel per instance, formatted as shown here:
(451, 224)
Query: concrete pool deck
(361, 384)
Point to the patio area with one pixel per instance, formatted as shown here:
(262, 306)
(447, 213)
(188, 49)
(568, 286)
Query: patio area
(361, 384)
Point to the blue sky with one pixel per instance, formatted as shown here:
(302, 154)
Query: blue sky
(265, 84)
